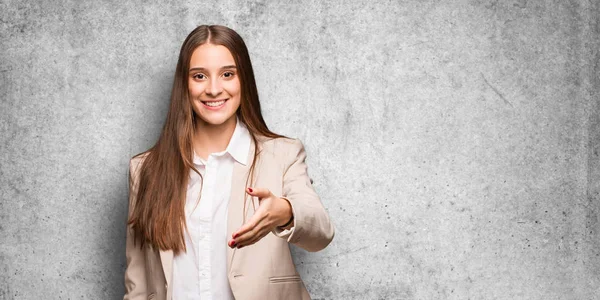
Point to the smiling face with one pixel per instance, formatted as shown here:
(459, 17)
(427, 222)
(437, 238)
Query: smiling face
(214, 85)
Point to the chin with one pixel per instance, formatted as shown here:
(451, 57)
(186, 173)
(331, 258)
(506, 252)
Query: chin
(216, 120)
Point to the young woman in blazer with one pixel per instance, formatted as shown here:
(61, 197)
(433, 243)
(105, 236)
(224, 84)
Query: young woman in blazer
(214, 204)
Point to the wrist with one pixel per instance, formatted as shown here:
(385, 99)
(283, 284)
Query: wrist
(289, 221)
(287, 224)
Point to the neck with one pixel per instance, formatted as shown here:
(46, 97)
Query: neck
(210, 138)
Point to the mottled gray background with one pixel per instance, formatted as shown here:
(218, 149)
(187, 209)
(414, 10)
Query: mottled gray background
(454, 143)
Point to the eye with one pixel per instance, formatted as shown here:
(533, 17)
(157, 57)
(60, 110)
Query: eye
(228, 74)
(199, 76)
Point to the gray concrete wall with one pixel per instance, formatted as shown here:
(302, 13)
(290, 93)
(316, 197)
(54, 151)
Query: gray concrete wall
(454, 143)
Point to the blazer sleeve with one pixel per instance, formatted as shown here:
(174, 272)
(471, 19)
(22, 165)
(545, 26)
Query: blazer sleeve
(135, 272)
(312, 229)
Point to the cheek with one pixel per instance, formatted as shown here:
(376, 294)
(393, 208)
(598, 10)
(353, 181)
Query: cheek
(194, 89)
(234, 87)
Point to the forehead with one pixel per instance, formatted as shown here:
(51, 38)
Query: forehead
(211, 56)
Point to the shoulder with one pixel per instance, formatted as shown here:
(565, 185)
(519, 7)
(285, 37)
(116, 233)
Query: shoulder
(136, 162)
(137, 159)
(281, 147)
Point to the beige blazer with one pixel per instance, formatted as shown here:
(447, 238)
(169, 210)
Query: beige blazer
(261, 271)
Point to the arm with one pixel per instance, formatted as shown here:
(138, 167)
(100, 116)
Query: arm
(312, 230)
(135, 272)
(310, 227)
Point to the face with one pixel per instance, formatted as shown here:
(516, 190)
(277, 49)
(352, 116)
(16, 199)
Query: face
(214, 85)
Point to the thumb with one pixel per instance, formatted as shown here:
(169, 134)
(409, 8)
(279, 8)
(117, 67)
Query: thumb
(258, 192)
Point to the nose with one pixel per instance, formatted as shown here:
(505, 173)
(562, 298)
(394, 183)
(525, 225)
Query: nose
(214, 87)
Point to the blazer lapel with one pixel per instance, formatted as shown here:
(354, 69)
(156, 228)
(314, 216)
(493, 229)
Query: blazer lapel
(235, 209)
(166, 259)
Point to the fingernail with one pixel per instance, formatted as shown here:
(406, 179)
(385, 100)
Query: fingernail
(235, 235)
(240, 247)
(250, 190)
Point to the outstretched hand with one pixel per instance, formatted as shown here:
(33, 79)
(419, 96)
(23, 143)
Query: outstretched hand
(272, 212)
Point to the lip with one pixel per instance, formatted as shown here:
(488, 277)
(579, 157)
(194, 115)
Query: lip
(214, 107)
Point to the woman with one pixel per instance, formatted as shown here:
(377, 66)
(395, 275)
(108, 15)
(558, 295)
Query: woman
(206, 197)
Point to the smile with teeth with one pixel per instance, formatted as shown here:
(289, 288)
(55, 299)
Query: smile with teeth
(214, 103)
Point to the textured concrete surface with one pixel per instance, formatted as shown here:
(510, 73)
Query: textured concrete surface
(454, 143)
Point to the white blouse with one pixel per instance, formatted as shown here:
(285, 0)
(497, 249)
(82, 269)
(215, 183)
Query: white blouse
(201, 271)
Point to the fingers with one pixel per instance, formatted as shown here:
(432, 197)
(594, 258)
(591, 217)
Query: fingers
(255, 229)
(254, 222)
(258, 226)
(261, 234)
(259, 192)
(251, 237)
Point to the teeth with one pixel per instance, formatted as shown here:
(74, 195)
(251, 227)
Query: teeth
(214, 103)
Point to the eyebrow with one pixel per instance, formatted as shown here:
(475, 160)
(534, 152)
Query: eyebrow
(203, 69)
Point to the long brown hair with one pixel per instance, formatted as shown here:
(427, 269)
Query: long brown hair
(158, 214)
